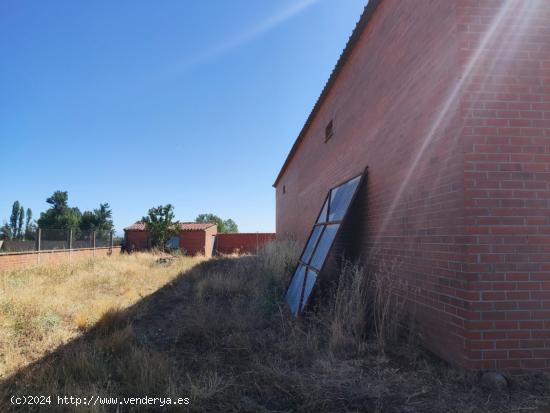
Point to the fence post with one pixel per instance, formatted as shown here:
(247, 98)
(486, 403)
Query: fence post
(70, 244)
(93, 244)
(111, 242)
(38, 246)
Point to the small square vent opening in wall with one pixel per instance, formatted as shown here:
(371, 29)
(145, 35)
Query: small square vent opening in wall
(319, 243)
(329, 130)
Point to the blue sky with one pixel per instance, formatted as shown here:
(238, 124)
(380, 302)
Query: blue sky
(141, 103)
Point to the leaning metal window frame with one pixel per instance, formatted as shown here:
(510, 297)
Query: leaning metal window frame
(306, 263)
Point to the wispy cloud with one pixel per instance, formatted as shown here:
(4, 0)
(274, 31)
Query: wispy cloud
(253, 32)
(246, 36)
(218, 50)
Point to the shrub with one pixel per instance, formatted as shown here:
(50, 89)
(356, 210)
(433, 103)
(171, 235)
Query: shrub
(48, 321)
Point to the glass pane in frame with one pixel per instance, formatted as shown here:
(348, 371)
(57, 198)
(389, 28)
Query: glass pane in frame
(294, 292)
(340, 198)
(310, 282)
(311, 244)
(324, 212)
(323, 246)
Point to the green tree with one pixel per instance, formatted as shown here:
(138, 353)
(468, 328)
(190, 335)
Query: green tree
(5, 232)
(99, 220)
(60, 215)
(160, 224)
(14, 217)
(87, 221)
(59, 200)
(29, 226)
(223, 226)
(104, 219)
(230, 225)
(20, 221)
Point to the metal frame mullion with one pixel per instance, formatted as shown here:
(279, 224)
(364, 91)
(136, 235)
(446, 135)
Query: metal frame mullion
(328, 223)
(308, 265)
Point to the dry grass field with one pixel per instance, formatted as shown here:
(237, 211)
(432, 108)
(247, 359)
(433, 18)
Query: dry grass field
(218, 332)
(46, 306)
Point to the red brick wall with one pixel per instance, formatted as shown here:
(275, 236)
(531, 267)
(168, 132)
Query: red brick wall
(22, 260)
(242, 242)
(193, 242)
(506, 138)
(137, 240)
(384, 104)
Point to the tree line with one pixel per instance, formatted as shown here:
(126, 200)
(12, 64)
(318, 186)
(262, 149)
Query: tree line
(20, 225)
(59, 216)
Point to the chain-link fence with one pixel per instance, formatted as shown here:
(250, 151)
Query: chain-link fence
(48, 239)
(53, 239)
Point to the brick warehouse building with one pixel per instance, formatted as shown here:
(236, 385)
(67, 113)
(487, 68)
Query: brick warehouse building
(447, 103)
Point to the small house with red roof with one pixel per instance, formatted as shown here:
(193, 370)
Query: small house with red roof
(193, 238)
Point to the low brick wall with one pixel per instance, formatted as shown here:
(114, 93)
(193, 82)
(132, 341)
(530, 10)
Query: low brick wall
(29, 259)
(242, 242)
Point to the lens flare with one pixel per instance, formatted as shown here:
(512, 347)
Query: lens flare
(494, 49)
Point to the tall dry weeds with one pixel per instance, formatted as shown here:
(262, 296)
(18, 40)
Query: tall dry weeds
(367, 307)
(349, 314)
(386, 302)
